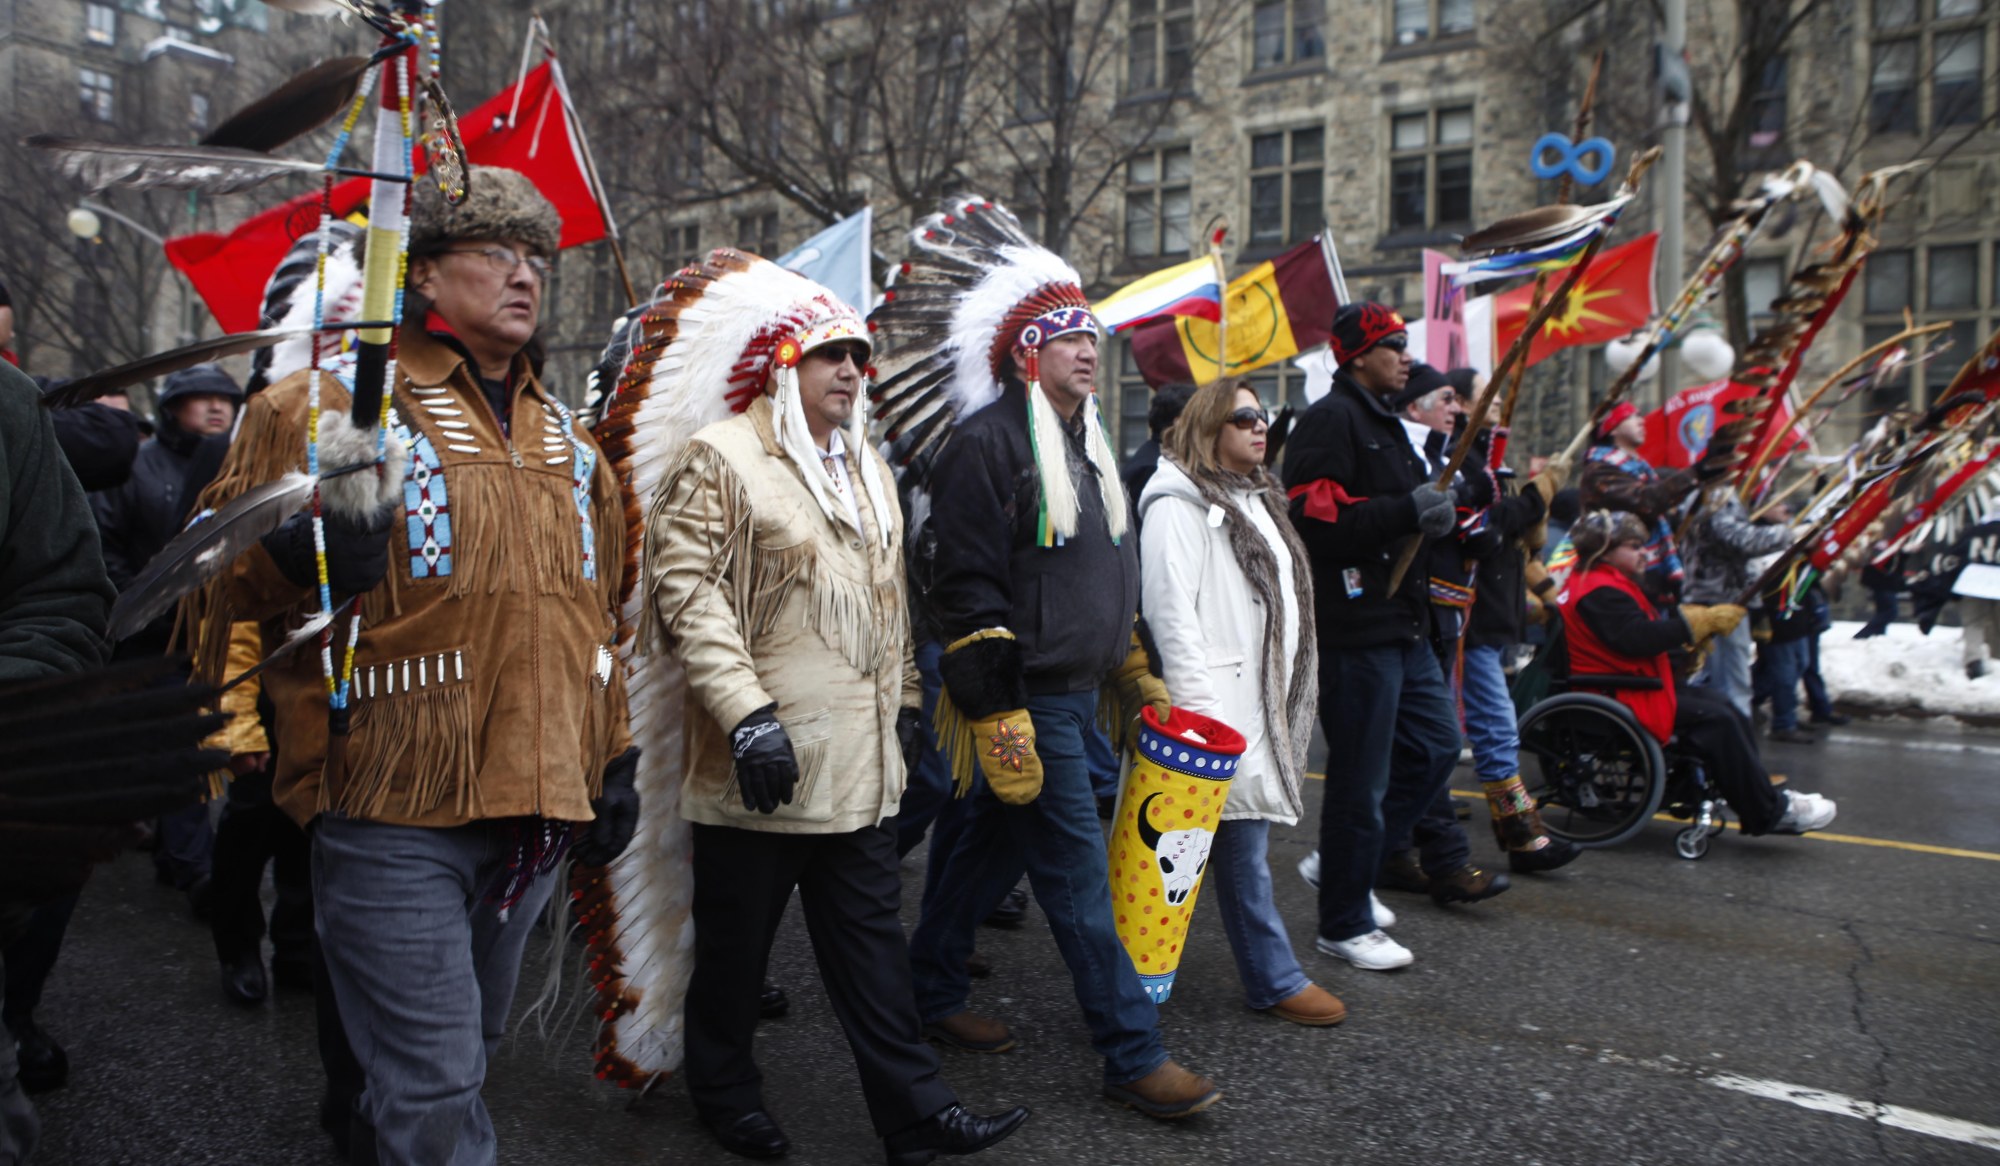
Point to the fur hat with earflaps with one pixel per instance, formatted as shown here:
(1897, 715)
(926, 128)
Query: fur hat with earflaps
(503, 204)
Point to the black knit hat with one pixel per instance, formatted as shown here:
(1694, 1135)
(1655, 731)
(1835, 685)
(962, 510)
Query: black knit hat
(1423, 381)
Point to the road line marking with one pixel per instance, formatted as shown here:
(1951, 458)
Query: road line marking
(1819, 835)
(1895, 1116)
(1927, 746)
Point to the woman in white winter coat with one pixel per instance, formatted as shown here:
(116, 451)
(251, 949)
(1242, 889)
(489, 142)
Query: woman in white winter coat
(1227, 592)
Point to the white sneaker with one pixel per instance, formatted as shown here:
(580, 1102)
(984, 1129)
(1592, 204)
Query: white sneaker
(1309, 869)
(1804, 813)
(1373, 952)
(1383, 916)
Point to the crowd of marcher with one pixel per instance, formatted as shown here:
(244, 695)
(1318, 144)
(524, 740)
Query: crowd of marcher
(863, 665)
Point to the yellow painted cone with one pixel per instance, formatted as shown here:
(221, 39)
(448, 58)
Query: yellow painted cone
(1167, 814)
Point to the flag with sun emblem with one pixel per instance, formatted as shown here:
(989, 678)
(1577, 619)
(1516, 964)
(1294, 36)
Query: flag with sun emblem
(1613, 297)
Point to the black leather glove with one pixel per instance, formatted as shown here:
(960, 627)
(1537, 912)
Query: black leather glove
(1475, 487)
(606, 836)
(357, 553)
(766, 769)
(910, 735)
(1435, 513)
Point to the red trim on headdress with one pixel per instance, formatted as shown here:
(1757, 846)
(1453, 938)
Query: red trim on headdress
(1616, 417)
(1046, 298)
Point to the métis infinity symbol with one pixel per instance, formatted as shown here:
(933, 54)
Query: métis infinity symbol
(1571, 158)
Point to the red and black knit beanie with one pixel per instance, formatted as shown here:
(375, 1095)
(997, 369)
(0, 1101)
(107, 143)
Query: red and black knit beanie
(1360, 327)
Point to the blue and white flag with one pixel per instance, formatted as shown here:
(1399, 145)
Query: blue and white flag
(837, 258)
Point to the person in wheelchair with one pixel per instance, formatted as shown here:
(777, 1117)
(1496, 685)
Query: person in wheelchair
(1615, 633)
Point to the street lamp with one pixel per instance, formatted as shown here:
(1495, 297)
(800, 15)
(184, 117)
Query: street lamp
(86, 219)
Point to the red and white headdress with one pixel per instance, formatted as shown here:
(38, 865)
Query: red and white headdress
(975, 289)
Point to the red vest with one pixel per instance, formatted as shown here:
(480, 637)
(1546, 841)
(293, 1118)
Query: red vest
(1590, 655)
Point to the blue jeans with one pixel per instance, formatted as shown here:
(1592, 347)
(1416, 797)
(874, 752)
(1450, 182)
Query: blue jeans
(1058, 841)
(1727, 672)
(1240, 871)
(424, 970)
(1490, 723)
(1788, 659)
(1392, 740)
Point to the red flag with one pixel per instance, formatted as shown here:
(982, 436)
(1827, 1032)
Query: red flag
(1677, 434)
(230, 270)
(1614, 296)
(1278, 309)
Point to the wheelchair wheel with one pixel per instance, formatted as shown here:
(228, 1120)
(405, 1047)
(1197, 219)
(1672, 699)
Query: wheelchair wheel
(1596, 776)
(1692, 842)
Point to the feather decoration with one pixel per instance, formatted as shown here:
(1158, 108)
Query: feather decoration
(209, 169)
(108, 747)
(289, 296)
(212, 542)
(970, 266)
(299, 106)
(111, 380)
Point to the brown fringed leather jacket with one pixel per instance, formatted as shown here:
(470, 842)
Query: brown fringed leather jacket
(486, 678)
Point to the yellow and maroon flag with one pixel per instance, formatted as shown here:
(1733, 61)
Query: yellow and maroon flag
(1276, 310)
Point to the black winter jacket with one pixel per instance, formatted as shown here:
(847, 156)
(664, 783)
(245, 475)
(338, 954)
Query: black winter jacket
(1500, 602)
(1069, 606)
(1351, 439)
(54, 599)
(140, 517)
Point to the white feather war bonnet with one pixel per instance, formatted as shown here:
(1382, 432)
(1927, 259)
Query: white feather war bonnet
(974, 290)
(712, 338)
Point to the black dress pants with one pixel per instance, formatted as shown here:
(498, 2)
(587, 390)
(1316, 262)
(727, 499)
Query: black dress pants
(850, 889)
(253, 831)
(1709, 728)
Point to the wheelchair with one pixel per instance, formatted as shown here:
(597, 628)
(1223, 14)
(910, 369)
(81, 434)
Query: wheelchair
(1595, 774)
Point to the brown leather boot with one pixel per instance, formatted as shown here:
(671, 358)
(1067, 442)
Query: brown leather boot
(1401, 872)
(1467, 884)
(1312, 1006)
(971, 1032)
(1167, 1093)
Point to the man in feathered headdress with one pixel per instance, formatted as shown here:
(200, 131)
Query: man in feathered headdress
(1036, 583)
(774, 575)
(488, 717)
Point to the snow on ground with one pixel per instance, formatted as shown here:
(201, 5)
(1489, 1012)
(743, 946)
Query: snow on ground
(1904, 673)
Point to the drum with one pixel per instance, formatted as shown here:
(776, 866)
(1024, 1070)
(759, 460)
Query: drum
(1164, 827)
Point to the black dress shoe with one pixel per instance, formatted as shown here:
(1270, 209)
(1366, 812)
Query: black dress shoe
(951, 1130)
(753, 1135)
(44, 1065)
(773, 1003)
(1012, 909)
(292, 974)
(1557, 853)
(243, 980)
(1834, 719)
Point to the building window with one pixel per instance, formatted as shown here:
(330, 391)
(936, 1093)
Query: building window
(1763, 282)
(1927, 65)
(683, 245)
(1027, 204)
(1421, 20)
(846, 103)
(1040, 72)
(1430, 169)
(1278, 385)
(1157, 204)
(100, 24)
(1286, 32)
(1135, 397)
(758, 233)
(1767, 112)
(1159, 45)
(1287, 180)
(941, 66)
(1953, 289)
(100, 97)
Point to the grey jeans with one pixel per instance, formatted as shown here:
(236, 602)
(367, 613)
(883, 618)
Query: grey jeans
(1727, 672)
(424, 970)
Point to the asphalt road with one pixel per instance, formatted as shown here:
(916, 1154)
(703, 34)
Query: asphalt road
(1633, 1008)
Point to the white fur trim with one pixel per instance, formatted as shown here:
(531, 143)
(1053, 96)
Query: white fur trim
(343, 302)
(361, 494)
(976, 319)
